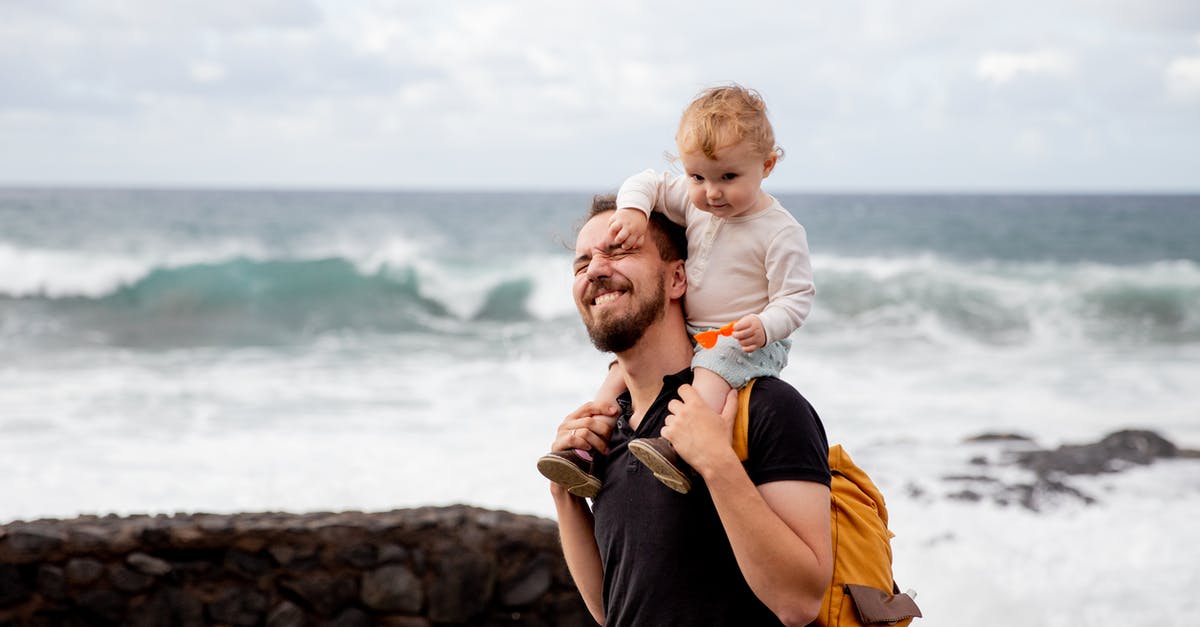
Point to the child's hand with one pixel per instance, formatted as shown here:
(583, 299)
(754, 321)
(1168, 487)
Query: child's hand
(628, 227)
(749, 332)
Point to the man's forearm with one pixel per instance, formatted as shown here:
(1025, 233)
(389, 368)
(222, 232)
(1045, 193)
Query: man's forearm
(782, 561)
(576, 529)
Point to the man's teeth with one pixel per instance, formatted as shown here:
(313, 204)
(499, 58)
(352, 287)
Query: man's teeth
(607, 298)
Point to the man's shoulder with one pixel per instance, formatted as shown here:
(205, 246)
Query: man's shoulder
(775, 404)
(787, 440)
(772, 390)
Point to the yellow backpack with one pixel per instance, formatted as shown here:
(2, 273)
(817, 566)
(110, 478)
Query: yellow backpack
(862, 547)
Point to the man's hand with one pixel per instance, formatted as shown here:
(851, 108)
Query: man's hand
(628, 227)
(750, 333)
(700, 435)
(587, 428)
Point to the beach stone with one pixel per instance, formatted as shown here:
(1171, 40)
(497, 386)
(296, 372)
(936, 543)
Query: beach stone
(148, 565)
(359, 555)
(392, 553)
(236, 606)
(127, 580)
(462, 588)
(13, 588)
(152, 612)
(351, 617)
(186, 610)
(83, 571)
(529, 586)
(31, 542)
(287, 614)
(247, 565)
(404, 621)
(323, 593)
(104, 605)
(51, 582)
(1139, 447)
(86, 539)
(392, 589)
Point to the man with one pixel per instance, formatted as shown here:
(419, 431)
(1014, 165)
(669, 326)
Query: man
(749, 545)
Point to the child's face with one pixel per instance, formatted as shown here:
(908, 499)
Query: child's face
(730, 185)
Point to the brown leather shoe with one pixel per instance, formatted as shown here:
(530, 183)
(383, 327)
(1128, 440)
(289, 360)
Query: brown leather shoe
(571, 471)
(660, 457)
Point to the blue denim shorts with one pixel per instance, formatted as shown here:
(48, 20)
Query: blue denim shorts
(737, 366)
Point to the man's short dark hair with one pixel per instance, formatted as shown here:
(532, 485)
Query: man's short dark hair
(670, 238)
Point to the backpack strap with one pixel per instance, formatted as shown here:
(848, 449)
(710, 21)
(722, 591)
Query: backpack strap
(741, 423)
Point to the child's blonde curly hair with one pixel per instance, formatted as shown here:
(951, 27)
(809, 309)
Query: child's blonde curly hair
(725, 115)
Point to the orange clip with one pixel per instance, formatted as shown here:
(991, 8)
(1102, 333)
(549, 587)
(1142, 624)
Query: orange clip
(708, 339)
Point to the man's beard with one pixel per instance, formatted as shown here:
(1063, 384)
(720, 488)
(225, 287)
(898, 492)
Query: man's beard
(619, 334)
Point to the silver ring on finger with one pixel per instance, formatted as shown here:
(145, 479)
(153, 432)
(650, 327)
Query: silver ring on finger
(572, 434)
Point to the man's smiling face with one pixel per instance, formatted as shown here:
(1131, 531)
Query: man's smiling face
(619, 292)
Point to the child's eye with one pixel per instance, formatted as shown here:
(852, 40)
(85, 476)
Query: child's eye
(729, 176)
(697, 178)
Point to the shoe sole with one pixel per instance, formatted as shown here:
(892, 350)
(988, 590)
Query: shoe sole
(568, 475)
(663, 469)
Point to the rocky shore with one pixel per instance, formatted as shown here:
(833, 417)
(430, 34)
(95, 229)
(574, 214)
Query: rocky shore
(419, 567)
(1011, 469)
(407, 568)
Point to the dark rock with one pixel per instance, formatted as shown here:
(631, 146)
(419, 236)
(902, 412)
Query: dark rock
(321, 592)
(393, 589)
(13, 588)
(51, 582)
(152, 612)
(186, 610)
(102, 606)
(247, 565)
(1108, 455)
(966, 495)
(404, 621)
(155, 537)
(462, 588)
(83, 571)
(529, 585)
(87, 539)
(351, 617)
(55, 616)
(999, 437)
(30, 543)
(358, 555)
(237, 606)
(148, 565)
(287, 614)
(127, 580)
(392, 553)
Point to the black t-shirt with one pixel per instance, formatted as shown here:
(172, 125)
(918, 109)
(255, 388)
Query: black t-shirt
(667, 560)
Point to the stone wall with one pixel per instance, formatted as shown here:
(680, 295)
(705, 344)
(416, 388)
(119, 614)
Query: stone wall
(428, 566)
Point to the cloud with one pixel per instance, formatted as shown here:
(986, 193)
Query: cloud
(1002, 67)
(539, 92)
(1183, 80)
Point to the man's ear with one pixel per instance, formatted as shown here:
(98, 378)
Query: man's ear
(677, 286)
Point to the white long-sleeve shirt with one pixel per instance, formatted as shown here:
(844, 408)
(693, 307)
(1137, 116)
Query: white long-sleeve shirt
(755, 264)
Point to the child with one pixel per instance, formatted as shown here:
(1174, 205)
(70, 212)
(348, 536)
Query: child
(748, 262)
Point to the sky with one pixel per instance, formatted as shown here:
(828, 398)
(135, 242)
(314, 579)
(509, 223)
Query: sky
(906, 95)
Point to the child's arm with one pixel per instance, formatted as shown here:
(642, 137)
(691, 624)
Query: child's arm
(789, 284)
(651, 191)
(613, 386)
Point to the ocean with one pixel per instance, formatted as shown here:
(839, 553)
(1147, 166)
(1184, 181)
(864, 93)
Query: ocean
(182, 351)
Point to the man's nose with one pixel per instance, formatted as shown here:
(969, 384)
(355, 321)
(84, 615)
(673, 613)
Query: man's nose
(598, 267)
